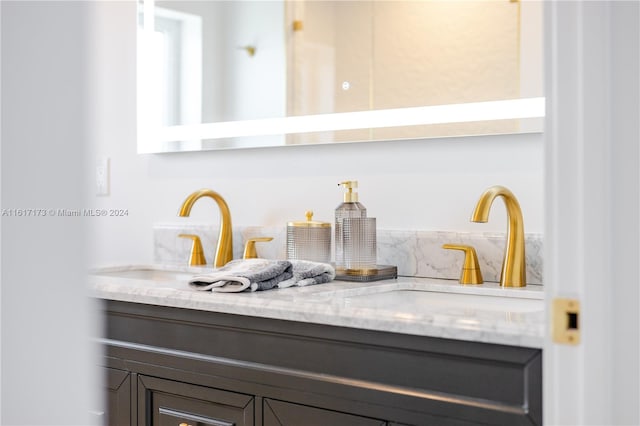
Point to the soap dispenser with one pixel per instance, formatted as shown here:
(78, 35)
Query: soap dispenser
(349, 208)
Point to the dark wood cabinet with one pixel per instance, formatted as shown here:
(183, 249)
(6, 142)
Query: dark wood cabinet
(206, 368)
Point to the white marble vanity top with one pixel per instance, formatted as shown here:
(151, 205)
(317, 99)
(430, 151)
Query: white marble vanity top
(418, 306)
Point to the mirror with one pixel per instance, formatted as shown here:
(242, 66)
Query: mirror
(230, 74)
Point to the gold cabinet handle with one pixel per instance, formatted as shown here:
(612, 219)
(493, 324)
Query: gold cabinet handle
(196, 258)
(470, 268)
(184, 424)
(250, 246)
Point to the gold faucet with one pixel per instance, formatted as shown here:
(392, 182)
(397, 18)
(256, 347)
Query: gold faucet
(224, 252)
(513, 266)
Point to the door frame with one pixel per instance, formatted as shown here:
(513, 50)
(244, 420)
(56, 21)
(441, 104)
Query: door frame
(591, 209)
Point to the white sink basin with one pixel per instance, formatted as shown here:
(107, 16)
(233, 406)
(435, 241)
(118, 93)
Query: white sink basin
(412, 299)
(149, 274)
(156, 273)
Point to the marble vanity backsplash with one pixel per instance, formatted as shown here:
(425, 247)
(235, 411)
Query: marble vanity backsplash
(415, 253)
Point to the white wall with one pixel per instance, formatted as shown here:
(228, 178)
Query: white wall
(423, 184)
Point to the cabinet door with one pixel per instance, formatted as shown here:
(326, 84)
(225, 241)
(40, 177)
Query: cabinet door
(169, 403)
(118, 397)
(279, 413)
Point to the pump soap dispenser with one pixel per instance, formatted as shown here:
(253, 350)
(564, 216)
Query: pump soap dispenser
(355, 241)
(349, 208)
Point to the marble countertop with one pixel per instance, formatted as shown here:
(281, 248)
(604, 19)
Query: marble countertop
(417, 306)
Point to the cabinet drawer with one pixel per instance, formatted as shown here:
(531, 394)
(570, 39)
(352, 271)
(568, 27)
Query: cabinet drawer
(164, 402)
(279, 413)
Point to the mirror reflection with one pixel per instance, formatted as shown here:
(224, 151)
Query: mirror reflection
(233, 61)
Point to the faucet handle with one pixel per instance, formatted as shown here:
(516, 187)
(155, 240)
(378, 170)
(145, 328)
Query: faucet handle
(250, 247)
(196, 258)
(470, 268)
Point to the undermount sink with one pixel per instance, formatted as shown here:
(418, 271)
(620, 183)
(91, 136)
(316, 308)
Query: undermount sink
(409, 299)
(424, 293)
(150, 273)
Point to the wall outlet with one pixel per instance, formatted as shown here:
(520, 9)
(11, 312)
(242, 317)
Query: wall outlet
(102, 177)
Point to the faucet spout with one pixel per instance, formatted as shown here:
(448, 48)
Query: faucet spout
(224, 251)
(514, 264)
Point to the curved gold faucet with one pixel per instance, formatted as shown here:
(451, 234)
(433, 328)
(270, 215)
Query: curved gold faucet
(513, 266)
(224, 252)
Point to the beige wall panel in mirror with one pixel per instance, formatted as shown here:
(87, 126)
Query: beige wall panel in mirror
(233, 61)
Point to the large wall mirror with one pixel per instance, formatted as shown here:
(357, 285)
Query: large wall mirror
(218, 74)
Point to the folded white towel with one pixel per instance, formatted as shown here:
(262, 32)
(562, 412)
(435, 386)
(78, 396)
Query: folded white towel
(263, 274)
(242, 274)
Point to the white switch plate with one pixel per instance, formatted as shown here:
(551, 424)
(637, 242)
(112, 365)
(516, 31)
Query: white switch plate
(102, 176)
